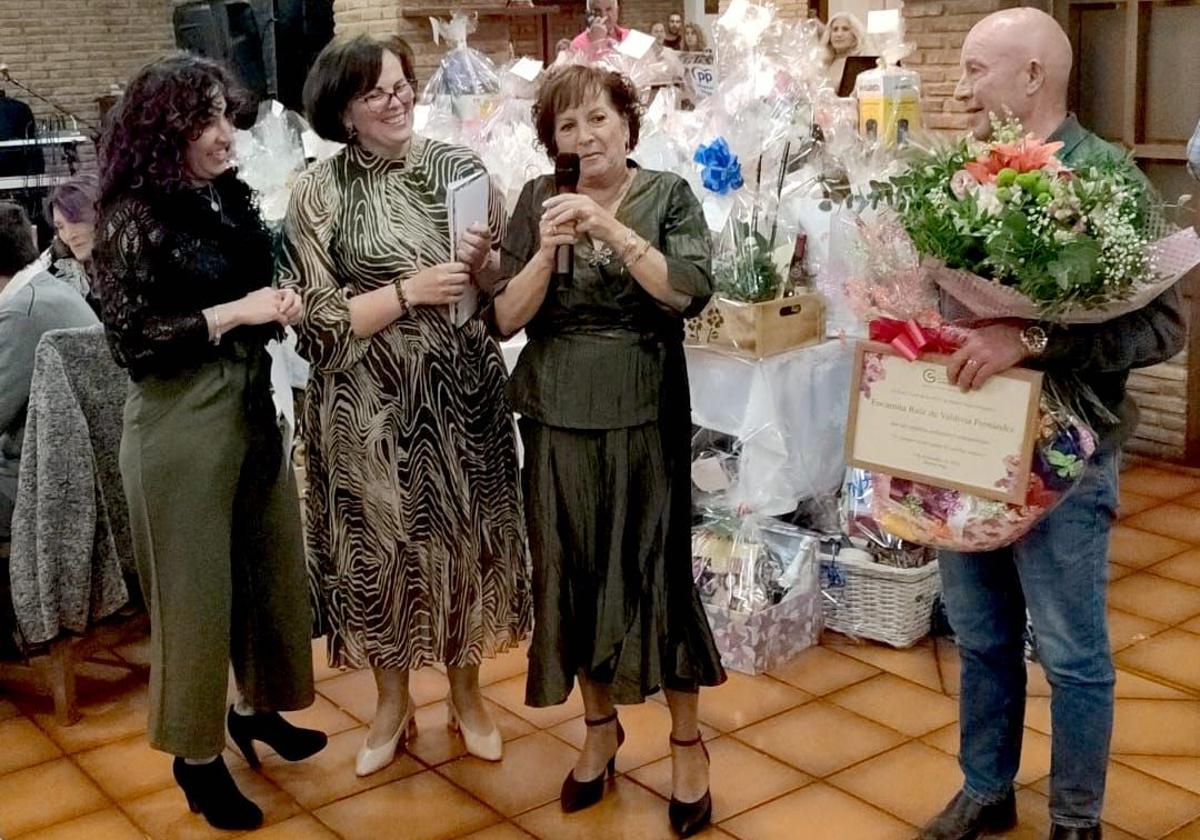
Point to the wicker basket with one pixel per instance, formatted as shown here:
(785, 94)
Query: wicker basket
(879, 602)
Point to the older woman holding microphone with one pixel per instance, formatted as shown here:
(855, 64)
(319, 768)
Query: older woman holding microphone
(602, 387)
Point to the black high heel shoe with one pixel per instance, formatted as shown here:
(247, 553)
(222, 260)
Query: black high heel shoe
(688, 818)
(291, 742)
(211, 791)
(577, 795)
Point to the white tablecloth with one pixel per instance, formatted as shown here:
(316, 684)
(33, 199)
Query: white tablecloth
(789, 413)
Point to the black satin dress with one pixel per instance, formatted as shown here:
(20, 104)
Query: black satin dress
(606, 423)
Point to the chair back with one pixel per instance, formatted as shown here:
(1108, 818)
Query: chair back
(100, 387)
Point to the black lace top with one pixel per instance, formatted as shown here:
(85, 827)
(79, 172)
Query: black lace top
(161, 259)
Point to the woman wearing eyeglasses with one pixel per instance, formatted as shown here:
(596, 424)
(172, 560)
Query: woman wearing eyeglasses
(415, 538)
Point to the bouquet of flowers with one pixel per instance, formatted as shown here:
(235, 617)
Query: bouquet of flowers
(1010, 231)
(897, 297)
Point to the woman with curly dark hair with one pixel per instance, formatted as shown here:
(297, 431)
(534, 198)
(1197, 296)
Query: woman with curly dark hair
(603, 393)
(184, 278)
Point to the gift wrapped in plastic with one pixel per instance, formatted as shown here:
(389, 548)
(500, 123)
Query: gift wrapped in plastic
(269, 157)
(464, 75)
(945, 518)
(715, 457)
(759, 580)
(864, 532)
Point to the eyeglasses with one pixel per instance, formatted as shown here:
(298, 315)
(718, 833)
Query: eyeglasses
(378, 100)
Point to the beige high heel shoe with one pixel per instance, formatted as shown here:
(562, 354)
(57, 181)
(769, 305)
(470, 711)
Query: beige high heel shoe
(488, 746)
(373, 759)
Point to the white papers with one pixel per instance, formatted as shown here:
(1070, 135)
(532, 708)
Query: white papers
(317, 148)
(421, 116)
(709, 476)
(527, 68)
(883, 21)
(636, 44)
(466, 205)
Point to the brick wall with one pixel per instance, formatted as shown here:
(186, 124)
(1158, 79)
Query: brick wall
(1161, 395)
(787, 9)
(937, 28)
(383, 17)
(72, 51)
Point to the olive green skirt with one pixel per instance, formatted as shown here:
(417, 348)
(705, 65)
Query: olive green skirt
(609, 519)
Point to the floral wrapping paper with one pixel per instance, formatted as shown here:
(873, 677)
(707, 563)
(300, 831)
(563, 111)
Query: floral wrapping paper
(951, 519)
(1173, 257)
(759, 580)
(762, 641)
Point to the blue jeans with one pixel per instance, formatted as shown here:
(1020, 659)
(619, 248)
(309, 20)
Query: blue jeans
(1059, 571)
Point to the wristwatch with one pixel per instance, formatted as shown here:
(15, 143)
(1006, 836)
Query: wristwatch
(1034, 339)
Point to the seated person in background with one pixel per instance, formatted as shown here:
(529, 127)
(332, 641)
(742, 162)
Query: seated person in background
(674, 38)
(603, 32)
(72, 211)
(31, 303)
(659, 31)
(844, 36)
(693, 39)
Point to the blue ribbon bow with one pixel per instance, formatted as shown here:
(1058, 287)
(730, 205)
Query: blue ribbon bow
(722, 172)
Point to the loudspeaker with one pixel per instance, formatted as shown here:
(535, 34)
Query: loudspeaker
(228, 31)
(268, 44)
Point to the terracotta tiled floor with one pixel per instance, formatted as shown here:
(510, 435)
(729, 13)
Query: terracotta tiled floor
(848, 742)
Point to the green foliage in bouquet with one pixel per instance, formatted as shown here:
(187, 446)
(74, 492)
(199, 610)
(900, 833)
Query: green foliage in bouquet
(1008, 210)
(747, 272)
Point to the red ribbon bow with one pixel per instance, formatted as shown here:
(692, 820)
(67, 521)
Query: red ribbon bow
(910, 339)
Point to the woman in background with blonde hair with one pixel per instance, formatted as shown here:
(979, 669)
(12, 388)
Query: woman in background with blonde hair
(693, 38)
(844, 36)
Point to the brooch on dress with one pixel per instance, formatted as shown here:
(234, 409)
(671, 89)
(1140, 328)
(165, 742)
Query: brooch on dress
(600, 255)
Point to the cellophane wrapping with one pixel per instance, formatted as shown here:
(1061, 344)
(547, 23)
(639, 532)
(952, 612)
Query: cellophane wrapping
(759, 580)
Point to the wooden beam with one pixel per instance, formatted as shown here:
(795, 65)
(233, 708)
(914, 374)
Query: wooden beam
(1161, 151)
(1129, 122)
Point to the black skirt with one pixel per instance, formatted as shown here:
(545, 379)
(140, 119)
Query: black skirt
(609, 519)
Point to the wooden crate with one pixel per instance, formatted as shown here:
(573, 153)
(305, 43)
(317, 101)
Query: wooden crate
(760, 329)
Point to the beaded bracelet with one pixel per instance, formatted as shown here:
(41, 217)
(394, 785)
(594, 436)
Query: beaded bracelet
(398, 285)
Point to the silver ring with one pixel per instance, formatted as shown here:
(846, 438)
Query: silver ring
(972, 362)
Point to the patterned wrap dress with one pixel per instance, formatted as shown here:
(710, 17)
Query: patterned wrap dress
(602, 391)
(416, 545)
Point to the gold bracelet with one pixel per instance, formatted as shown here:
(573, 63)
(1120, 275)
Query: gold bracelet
(645, 250)
(631, 240)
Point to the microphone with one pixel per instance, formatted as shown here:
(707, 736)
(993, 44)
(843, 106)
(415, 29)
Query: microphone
(566, 180)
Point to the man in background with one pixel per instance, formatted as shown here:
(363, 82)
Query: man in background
(604, 30)
(674, 38)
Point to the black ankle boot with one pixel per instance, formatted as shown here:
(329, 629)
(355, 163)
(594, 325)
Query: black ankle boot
(1062, 832)
(687, 818)
(211, 791)
(966, 819)
(291, 742)
(577, 795)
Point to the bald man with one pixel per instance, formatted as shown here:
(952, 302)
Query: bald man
(1018, 62)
